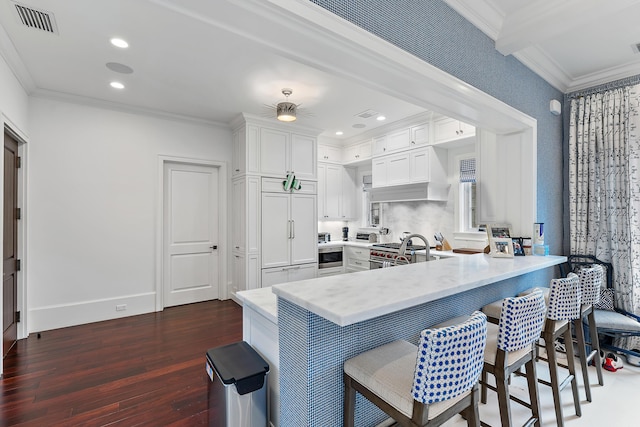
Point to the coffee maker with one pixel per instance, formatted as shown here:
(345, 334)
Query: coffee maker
(345, 233)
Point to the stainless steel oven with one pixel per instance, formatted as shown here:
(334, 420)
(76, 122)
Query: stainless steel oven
(329, 257)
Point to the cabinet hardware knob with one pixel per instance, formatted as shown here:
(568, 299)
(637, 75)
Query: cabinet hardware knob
(214, 247)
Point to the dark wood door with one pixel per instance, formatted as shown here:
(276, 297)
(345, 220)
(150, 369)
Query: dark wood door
(10, 245)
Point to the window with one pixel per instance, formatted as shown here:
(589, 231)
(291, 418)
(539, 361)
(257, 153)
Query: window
(467, 195)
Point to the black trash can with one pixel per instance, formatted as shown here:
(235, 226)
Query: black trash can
(237, 392)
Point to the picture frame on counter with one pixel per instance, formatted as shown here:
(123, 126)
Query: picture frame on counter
(518, 247)
(499, 231)
(502, 247)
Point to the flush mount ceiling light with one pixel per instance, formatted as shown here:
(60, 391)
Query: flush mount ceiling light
(381, 118)
(285, 110)
(116, 85)
(122, 44)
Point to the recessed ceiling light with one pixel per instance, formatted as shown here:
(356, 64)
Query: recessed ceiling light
(381, 118)
(119, 43)
(117, 85)
(339, 133)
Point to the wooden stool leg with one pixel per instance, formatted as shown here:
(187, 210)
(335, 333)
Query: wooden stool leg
(553, 373)
(471, 413)
(571, 359)
(349, 402)
(582, 354)
(595, 345)
(483, 397)
(502, 385)
(534, 398)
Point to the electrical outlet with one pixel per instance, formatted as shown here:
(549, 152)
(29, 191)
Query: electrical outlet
(121, 307)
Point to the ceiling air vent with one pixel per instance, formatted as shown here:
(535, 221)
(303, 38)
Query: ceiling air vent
(367, 114)
(34, 18)
(636, 47)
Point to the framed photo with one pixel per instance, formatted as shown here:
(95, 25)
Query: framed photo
(498, 231)
(518, 247)
(502, 247)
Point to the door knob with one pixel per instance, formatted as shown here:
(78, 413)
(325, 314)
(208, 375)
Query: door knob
(213, 247)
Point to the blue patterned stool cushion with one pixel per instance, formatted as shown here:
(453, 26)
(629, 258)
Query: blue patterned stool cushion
(450, 359)
(565, 298)
(591, 280)
(521, 321)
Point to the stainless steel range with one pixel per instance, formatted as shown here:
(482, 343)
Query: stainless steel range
(388, 254)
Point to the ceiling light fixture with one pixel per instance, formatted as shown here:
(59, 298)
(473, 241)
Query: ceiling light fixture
(285, 110)
(381, 118)
(339, 133)
(116, 85)
(122, 44)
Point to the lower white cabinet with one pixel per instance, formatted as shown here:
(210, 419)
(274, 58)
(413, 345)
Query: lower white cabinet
(274, 276)
(356, 259)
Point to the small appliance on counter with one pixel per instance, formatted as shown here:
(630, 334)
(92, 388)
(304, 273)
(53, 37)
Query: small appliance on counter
(345, 234)
(324, 237)
(366, 236)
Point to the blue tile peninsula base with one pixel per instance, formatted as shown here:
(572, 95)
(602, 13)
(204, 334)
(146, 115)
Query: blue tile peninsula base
(313, 349)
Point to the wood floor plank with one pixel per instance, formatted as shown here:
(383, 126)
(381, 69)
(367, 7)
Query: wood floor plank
(138, 370)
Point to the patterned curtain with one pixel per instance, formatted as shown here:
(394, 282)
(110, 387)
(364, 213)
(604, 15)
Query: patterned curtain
(604, 186)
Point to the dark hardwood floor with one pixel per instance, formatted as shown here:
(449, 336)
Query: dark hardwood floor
(139, 370)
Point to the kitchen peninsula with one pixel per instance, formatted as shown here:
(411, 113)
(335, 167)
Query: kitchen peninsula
(322, 322)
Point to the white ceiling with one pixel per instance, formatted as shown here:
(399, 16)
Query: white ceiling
(205, 60)
(572, 44)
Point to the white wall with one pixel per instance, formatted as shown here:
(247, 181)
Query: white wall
(92, 207)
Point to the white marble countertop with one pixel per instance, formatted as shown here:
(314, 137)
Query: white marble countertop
(350, 298)
(262, 300)
(339, 243)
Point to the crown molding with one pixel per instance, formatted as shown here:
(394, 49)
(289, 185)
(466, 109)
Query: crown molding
(10, 54)
(116, 106)
(544, 66)
(482, 14)
(606, 76)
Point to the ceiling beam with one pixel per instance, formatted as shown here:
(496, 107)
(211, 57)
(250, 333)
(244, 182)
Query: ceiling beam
(544, 19)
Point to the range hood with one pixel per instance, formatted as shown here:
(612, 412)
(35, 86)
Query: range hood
(410, 192)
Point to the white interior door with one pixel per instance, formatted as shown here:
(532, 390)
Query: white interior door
(190, 212)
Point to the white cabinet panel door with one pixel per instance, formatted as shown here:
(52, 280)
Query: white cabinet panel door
(304, 243)
(398, 169)
(277, 229)
(274, 152)
(304, 155)
(190, 233)
(332, 191)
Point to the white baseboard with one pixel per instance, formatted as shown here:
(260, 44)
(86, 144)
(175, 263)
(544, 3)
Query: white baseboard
(61, 316)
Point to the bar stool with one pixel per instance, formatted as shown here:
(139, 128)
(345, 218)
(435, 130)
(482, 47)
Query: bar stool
(510, 345)
(424, 385)
(563, 308)
(591, 279)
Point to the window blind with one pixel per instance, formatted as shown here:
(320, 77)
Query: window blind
(468, 170)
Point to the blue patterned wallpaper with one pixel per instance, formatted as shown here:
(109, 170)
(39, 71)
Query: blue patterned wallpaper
(432, 31)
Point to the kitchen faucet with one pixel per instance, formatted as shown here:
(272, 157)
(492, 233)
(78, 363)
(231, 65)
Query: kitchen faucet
(405, 241)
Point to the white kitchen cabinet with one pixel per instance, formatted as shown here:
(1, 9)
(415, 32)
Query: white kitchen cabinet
(329, 153)
(245, 237)
(284, 152)
(426, 164)
(329, 191)
(274, 276)
(391, 142)
(246, 139)
(357, 152)
(419, 134)
(450, 130)
(289, 224)
(348, 207)
(356, 259)
(336, 192)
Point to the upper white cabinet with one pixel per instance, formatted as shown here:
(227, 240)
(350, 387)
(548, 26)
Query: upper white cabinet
(284, 152)
(336, 192)
(329, 153)
(419, 134)
(450, 130)
(391, 142)
(427, 164)
(357, 152)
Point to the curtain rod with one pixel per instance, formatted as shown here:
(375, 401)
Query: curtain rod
(627, 81)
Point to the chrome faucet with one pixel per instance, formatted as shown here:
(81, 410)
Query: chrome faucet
(405, 241)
